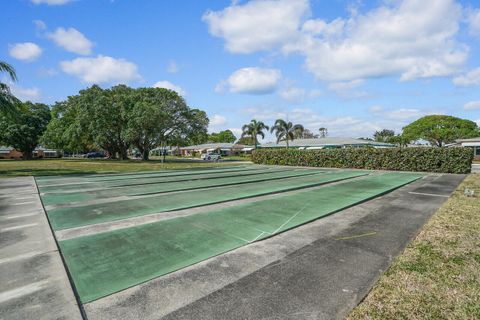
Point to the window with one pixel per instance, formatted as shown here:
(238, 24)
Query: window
(477, 151)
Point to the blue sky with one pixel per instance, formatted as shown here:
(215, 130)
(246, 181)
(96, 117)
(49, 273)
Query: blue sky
(351, 66)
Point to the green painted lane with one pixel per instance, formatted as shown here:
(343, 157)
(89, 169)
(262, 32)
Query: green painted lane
(108, 262)
(216, 181)
(93, 178)
(95, 185)
(64, 218)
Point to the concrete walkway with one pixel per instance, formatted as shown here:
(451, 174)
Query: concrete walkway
(475, 168)
(34, 283)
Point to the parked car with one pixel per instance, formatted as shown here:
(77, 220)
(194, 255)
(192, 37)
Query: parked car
(210, 157)
(95, 155)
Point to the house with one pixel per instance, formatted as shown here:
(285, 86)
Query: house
(328, 143)
(39, 152)
(225, 149)
(9, 153)
(473, 143)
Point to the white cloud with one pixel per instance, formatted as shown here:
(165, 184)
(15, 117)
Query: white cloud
(236, 131)
(170, 86)
(218, 120)
(173, 67)
(376, 109)
(346, 90)
(472, 105)
(315, 93)
(102, 69)
(40, 25)
(51, 2)
(258, 24)
(474, 22)
(410, 38)
(478, 122)
(252, 81)
(26, 51)
(472, 78)
(26, 94)
(404, 114)
(293, 94)
(71, 40)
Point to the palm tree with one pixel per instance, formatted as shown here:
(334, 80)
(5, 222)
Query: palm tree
(7, 99)
(286, 131)
(323, 132)
(253, 129)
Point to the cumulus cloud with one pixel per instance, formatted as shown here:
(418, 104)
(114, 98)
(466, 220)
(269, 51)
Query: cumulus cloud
(472, 105)
(252, 81)
(218, 120)
(51, 2)
(410, 38)
(26, 51)
(26, 94)
(474, 22)
(71, 40)
(472, 78)
(257, 25)
(293, 94)
(102, 69)
(168, 85)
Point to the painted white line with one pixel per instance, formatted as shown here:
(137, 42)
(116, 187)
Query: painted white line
(20, 203)
(290, 219)
(22, 291)
(20, 257)
(18, 227)
(21, 215)
(429, 194)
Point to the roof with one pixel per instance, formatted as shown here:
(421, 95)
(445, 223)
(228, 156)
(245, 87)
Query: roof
(4, 148)
(214, 146)
(327, 141)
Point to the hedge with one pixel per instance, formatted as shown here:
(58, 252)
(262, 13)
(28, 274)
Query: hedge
(431, 159)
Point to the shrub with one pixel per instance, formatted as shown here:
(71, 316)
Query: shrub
(445, 160)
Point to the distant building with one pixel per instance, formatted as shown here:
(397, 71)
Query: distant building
(39, 152)
(473, 143)
(224, 149)
(328, 143)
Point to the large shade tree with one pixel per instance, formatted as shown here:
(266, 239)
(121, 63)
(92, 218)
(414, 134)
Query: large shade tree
(225, 136)
(384, 135)
(286, 131)
(7, 99)
(439, 130)
(254, 129)
(23, 131)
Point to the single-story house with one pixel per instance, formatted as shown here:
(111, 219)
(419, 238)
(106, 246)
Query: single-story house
(473, 143)
(39, 152)
(328, 143)
(225, 149)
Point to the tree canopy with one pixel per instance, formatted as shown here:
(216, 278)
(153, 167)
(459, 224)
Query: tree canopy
(225, 136)
(7, 99)
(286, 131)
(439, 130)
(384, 135)
(254, 129)
(23, 131)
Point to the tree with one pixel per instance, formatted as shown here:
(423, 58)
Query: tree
(254, 129)
(24, 131)
(439, 130)
(285, 131)
(384, 135)
(307, 134)
(225, 136)
(159, 116)
(246, 140)
(7, 99)
(323, 132)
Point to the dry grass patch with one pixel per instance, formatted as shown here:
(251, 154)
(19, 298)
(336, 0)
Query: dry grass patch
(438, 275)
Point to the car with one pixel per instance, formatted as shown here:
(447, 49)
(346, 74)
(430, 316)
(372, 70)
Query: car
(95, 155)
(210, 157)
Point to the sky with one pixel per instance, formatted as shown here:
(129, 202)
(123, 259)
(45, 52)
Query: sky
(351, 66)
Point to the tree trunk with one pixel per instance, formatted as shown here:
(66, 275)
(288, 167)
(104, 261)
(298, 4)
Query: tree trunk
(28, 154)
(145, 155)
(286, 140)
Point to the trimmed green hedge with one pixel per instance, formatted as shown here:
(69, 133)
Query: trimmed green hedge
(446, 160)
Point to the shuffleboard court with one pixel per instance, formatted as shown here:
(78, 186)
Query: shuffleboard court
(69, 217)
(105, 263)
(62, 180)
(198, 183)
(152, 180)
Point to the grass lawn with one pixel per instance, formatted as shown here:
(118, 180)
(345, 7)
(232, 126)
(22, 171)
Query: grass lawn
(42, 167)
(438, 275)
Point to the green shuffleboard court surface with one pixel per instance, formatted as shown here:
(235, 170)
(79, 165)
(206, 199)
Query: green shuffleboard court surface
(69, 217)
(220, 179)
(106, 263)
(99, 185)
(63, 181)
